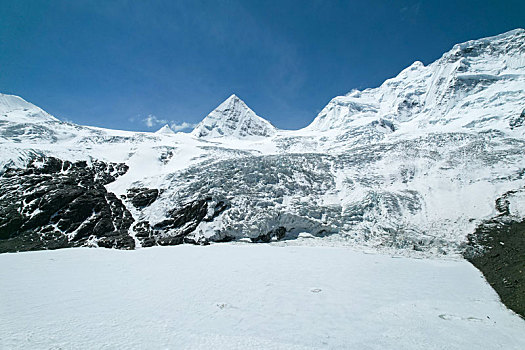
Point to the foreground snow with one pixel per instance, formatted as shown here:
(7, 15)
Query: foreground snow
(246, 296)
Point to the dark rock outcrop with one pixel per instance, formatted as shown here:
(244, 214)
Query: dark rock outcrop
(384, 124)
(143, 233)
(183, 221)
(56, 204)
(278, 233)
(497, 249)
(518, 121)
(142, 197)
(108, 172)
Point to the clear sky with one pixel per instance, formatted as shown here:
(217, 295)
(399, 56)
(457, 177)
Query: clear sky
(135, 64)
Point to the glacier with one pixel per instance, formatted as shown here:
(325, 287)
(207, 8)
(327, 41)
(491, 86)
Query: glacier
(412, 166)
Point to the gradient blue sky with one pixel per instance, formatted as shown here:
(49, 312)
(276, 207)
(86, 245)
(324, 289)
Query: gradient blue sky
(114, 63)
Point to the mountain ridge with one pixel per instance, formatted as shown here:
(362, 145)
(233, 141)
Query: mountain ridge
(435, 92)
(224, 116)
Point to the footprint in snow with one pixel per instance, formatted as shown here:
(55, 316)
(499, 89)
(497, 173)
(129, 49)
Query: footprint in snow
(454, 317)
(223, 306)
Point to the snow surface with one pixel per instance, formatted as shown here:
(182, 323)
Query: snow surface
(240, 296)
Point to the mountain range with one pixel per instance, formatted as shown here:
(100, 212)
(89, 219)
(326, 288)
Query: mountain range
(415, 165)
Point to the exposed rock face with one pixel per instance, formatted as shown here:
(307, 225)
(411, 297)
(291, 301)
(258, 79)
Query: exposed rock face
(518, 121)
(142, 197)
(142, 231)
(185, 224)
(107, 173)
(56, 204)
(497, 248)
(278, 233)
(183, 221)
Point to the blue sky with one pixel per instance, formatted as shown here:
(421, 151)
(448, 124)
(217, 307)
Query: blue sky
(134, 64)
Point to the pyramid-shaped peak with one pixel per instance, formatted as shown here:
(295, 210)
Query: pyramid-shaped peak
(165, 130)
(233, 97)
(233, 102)
(233, 118)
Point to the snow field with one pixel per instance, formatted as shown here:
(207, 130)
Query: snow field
(236, 296)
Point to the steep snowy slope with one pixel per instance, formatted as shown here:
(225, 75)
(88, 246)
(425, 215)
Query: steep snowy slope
(476, 86)
(414, 165)
(19, 109)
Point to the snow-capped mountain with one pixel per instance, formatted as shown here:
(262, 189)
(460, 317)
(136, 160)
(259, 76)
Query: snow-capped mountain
(415, 164)
(18, 109)
(484, 77)
(233, 118)
(165, 130)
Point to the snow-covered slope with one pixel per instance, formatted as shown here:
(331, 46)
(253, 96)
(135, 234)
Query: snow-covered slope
(233, 118)
(476, 86)
(415, 164)
(17, 108)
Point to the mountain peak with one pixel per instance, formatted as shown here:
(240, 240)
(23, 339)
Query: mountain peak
(233, 118)
(508, 43)
(165, 130)
(474, 74)
(233, 97)
(16, 107)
